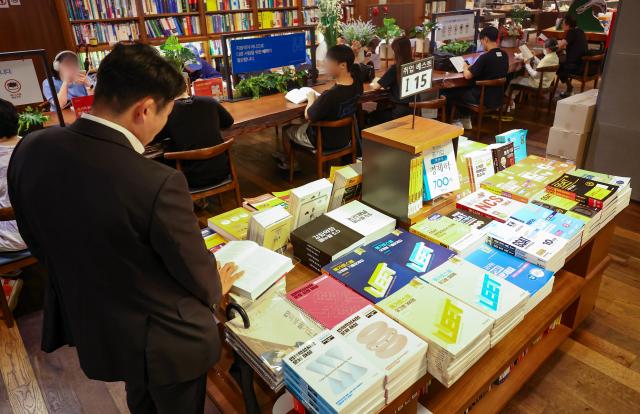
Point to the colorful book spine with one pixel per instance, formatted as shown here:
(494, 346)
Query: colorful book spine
(233, 22)
(415, 184)
(177, 26)
(585, 191)
(105, 32)
(101, 9)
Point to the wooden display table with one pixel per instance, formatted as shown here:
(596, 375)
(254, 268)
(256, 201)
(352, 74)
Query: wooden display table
(574, 295)
(594, 37)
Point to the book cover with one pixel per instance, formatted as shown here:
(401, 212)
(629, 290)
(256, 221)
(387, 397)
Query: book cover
(264, 202)
(490, 205)
(519, 139)
(369, 273)
(437, 317)
(482, 290)
(347, 185)
(231, 225)
(363, 219)
(440, 171)
(383, 342)
(503, 155)
(479, 167)
(82, 105)
(415, 185)
(475, 221)
(622, 182)
(327, 301)
(518, 271)
(514, 186)
(411, 251)
(212, 240)
(548, 220)
(569, 207)
(585, 191)
(557, 166)
(213, 88)
(309, 201)
(465, 146)
(441, 229)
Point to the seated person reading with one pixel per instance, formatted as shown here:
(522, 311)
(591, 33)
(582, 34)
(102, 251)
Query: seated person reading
(399, 107)
(195, 123)
(493, 64)
(10, 239)
(338, 102)
(575, 47)
(68, 79)
(533, 80)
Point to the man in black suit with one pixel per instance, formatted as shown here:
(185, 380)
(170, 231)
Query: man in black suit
(131, 284)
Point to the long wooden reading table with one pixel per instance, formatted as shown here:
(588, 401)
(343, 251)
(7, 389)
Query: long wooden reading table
(574, 295)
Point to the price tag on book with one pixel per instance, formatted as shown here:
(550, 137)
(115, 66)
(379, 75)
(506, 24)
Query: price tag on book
(415, 77)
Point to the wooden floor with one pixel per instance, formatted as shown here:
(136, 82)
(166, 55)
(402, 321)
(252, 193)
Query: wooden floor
(596, 370)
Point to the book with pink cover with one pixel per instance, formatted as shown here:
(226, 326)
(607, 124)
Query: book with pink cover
(327, 301)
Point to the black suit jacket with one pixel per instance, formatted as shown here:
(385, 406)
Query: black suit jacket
(131, 284)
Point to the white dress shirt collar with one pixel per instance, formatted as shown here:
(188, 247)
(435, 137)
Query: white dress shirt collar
(135, 143)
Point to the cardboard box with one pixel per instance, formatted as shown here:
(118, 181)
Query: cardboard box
(575, 113)
(567, 144)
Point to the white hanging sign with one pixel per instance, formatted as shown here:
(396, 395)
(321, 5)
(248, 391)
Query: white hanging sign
(19, 83)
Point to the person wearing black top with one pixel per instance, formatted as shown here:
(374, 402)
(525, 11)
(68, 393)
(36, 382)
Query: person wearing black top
(400, 107)
(195, 123)
(333, 104)
(493, 64)
(575, 46)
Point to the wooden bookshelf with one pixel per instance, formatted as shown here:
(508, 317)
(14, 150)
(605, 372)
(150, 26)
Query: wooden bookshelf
(67, 23)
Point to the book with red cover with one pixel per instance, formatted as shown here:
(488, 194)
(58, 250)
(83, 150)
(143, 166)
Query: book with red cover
(327, 301)
(82, 105)
(213, 88)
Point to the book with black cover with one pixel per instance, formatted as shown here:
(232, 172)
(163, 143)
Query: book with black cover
(323, 240)
(503, 155)
(583, 190)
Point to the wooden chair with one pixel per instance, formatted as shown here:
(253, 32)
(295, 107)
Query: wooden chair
(590, 72)
(9, 262)
(230, 184)
(480, 108)
(439, 103)
(321, 155)
(539, 91)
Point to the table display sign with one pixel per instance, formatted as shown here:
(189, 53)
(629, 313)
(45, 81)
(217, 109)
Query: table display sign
(415, 77)
(19, 83)
(260, 53)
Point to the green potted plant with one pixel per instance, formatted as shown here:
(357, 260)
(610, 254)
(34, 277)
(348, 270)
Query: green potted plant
(357, 30)
(175, 53)
(330, 17)
(422, 33)
(456, 47)
(388, 31)
(273, 82)
(30, 119)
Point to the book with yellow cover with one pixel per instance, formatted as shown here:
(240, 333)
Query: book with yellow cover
(232, 225)
(415, 184)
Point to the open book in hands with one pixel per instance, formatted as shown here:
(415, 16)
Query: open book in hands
(526, 53)
(298, 96)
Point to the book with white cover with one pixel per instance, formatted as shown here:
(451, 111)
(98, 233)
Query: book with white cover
(458, 63)
(365, 220)
(490, 205)
(261, 267)
(526, 53)
(440, 171)
(309, 201)
(491, 295)
(329, 372)
(480, 167)
(271, 228)
(528, 243)
(384, 342)
(298, 96)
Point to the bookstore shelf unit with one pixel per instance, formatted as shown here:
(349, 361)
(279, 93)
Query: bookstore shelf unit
(212, 18)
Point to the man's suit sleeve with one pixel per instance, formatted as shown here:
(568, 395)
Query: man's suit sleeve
(175, 236)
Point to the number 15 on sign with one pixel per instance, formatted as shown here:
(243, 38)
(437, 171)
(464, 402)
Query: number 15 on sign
(415, 77)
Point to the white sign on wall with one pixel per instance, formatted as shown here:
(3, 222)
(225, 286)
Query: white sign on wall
(455, 27)
(19, 83)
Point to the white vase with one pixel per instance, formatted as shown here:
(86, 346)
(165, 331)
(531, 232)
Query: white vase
(421, 46)
(386, 53)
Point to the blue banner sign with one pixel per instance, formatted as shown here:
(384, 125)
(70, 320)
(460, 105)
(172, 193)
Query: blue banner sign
(260, 53)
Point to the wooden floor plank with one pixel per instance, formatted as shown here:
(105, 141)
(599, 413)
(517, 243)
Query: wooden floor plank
(604, 347)
(19, 379)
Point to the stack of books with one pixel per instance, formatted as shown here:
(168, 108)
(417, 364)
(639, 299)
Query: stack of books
(271, 228)
(327, 301)
(231, 225)
(490, 205)
(363, 219)
(519, 139)
(309, 201)
(328, 375)
(534, 279)
(533, 245)
(212, 240)
(261, 267)
(558, 224)
(263, 202)
(347, 185)
(457, 334)
(465, 146)
(588, 215)
(399, 353)
(322, 241)
(276, 329)
(450, 233)
(497, 298)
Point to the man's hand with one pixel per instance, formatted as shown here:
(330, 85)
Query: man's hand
(228, 275)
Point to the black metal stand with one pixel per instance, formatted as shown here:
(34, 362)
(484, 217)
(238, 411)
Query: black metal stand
(21, 54)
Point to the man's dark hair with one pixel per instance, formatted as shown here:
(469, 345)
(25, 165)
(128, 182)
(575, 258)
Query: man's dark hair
(490, 33)
(341, 54)
(8, 119)
(570, 20)
(135, 71)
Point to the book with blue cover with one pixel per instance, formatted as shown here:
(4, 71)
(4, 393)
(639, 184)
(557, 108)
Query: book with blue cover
(521, 273)
(519, 139)
(369, 273)
(550, 221)
(411, 251)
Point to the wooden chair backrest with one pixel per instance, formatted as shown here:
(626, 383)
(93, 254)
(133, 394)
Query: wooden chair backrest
(490, 83)
(543, 70)
(438, 103)
(200, 154)
(343, 122)
(588, 59)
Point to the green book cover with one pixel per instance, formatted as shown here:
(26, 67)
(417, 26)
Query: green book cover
(512, 186)
(441, 229)
(232, 225)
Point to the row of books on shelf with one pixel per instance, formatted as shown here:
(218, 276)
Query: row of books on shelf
(311, 16)
(436, 6)
(215, 47)
(309, 3)
(178, 26)
(276, 19)
(221, 23)
(94, 57)
(169, 6)
(224, 5)
(105, 32)
(267, 4)
(100, 9)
